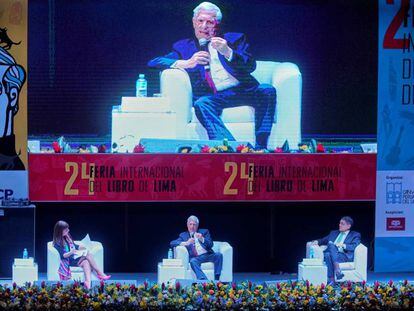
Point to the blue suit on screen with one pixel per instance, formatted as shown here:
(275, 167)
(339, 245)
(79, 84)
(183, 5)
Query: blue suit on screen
(208, 104)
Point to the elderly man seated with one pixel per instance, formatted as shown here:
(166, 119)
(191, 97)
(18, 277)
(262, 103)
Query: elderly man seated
(220, 66)
(200, 248)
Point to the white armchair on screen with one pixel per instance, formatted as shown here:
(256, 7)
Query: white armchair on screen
(355, 271)
(285, 77)
(180, 252)
(53, 262)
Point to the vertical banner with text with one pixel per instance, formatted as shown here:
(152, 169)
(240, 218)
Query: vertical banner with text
(394, 225)
(13, 100)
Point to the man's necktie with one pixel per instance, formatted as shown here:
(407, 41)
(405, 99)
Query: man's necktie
(194, 250)
(209, 79)
(340, 238)
(192, 247)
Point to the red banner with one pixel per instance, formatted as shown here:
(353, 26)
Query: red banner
(202, 177)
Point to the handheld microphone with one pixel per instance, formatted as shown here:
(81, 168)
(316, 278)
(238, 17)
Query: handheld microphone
(204, 47)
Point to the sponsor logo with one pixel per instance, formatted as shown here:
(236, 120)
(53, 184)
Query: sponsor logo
(396, 224)
(394, 193)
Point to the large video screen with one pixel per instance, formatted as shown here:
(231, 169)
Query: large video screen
(256, 72)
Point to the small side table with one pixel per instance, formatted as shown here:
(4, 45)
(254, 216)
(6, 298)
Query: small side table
(169, 273)
(142, 117)
(316, 275)
(23, 273)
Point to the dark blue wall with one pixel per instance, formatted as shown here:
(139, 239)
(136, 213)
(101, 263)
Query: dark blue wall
(85, 55)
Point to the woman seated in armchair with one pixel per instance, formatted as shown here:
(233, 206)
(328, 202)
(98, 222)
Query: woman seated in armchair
(67, 248)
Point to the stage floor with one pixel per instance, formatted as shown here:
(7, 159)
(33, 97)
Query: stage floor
(139, 278)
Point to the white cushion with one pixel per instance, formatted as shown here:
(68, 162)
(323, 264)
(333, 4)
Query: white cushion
(76, 269)
(347, 265)
(242, 114)
(207, 266)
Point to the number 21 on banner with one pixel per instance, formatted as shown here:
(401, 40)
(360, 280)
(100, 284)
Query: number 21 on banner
(246, 172)
(73, 168)
(401, 19)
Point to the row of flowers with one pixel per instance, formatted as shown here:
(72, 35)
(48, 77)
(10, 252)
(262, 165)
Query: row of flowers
(61, 146)
(210, 296)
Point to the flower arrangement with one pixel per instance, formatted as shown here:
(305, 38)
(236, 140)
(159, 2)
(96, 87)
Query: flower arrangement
(211, 295)
(226, 148)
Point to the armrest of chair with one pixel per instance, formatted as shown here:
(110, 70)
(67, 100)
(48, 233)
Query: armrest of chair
(176, 86)
(317, 250)
(98, 254)
(360, 260)
(227, 269)
(180, 252)
(287, 80)
(53, 262)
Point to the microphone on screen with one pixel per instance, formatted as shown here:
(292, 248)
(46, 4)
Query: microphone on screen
(204, 47)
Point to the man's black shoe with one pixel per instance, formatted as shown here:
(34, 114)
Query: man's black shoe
(339, 275)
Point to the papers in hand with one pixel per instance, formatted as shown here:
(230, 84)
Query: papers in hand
(86, 243)
(79, 253)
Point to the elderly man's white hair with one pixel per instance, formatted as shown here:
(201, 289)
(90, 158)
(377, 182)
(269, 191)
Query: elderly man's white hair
(193, 218)
(209, 7)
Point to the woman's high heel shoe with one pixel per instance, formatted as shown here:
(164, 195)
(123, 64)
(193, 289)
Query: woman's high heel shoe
(104, 278)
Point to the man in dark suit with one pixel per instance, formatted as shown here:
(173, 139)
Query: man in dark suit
(341, 246)
(220, 67)
(199, 245)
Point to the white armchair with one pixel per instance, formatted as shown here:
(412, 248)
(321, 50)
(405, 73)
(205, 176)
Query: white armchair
(180, 252)
(355, 271)
(53, 262)
(285, 77)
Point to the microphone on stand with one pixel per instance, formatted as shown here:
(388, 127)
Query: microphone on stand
(204, 47)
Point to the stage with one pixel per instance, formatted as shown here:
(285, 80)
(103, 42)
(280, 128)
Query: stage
(257, 278)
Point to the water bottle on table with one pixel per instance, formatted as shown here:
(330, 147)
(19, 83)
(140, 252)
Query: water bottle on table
(25, 254)
(170, 254)
(141, 86)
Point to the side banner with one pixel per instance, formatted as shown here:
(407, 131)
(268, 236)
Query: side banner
(13, 100)
(198, 177)
(394, 230)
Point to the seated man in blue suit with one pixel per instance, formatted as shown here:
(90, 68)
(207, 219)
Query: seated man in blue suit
(341, 246)
(199, 245)
(220, 67)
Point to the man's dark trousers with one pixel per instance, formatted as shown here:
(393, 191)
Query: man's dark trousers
(331, 255)
(215, 258)
(262, 98)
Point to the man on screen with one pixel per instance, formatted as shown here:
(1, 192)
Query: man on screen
(341, 246)
(220, 67)
(12, 78)
(199, 245)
